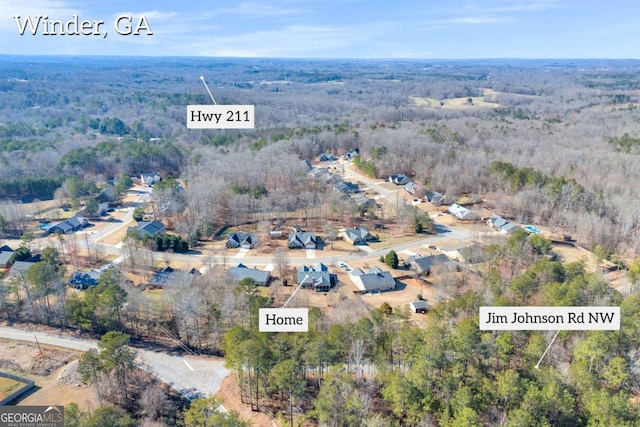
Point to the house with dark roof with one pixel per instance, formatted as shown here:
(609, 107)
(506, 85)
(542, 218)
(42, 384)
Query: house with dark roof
(424, 264)
(346, 187)
(436, 199)
(358, 236)
(241, 240)
(236, 274)
(463, 213)
(327, 157)
(399, 179)
(303, 240)
(5, 255)
(68, 225)
(151, 229)
(82, 280)
(316, 277)
(375, 280)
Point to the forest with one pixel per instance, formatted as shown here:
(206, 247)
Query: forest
(537, 141)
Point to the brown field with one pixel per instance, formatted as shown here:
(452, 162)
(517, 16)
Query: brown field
(8, 386)
(53, 372)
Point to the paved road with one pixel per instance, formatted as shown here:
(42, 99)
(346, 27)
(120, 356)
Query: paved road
(191, 376)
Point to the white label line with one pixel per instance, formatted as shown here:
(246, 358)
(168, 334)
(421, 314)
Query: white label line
(187, 363)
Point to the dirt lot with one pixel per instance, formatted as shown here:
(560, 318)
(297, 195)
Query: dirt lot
(54, 373)
(230, 393)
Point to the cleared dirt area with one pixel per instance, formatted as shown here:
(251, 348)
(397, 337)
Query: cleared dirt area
(53, 370)
(230, 395)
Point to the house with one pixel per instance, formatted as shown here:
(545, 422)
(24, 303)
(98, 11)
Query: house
(303, 240)
(502, 225)
(5, 255)
(469, 253)
(411, 187)
(172, 277)
(20, 267)
(151, 229)
(399, 179)
(424, 264)
(237, 274)
(346, 187)
(364, 202)
(82, 280)
(436, 199)
(463, 213)
(351, 154)
(375, 280)
(149, 178)
(317, 277)
(327, 157)
(419, 306)
(242, 240)
(358, 235)
(68, 225)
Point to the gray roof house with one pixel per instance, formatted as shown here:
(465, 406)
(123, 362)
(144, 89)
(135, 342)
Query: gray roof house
(436, 199)
(399, 179)
(424, 264)
(419, 306)
(68, 225)
(317, 277)
(364, 202)
(502, 225)
(5, 254)
(327, 157)
(464, 252)
(346, 187)
(20, 267)
(358, 235)
(463, 213)
(303, 240)
(236, 274)
(82, 280)
(375, 280)
(149, 178)
(241, 240)
(172, 277)
(144, 228)
(411, 187)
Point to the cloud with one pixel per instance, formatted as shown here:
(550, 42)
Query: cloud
(474, 20)
(54, 9)
(295, 40)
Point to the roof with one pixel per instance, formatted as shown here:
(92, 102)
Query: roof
(19, 267)
(314, 275)
(471, 252)
(411, 186)
(5, 248)
(362, 200)
(374, 280)
(236, 274)
(4, 257)
(154, 227)
(463, 213)
(241, 239)
(85, 278)
(302, 238)
(426, 263)
(347, 187)
(358, 234)
(497, 221)
(172, 276)
(420, 304)
(326, 157)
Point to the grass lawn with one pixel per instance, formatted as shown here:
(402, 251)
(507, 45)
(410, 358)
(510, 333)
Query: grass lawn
(8, 386)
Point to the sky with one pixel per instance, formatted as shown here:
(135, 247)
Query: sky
(427, 29)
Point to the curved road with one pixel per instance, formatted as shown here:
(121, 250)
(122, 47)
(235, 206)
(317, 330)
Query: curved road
(190, 376)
